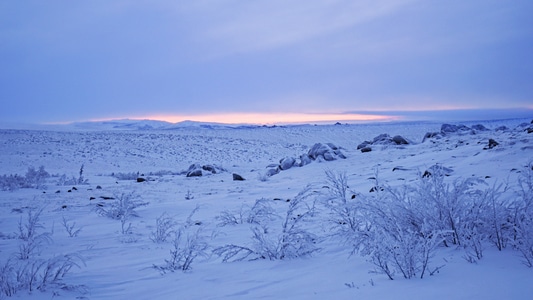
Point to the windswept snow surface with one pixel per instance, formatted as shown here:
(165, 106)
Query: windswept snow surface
(121, 266)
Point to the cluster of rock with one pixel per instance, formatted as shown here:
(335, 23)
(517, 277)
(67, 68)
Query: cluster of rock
(447, 129)
(198, 170)
(382, 139)
(319, 152)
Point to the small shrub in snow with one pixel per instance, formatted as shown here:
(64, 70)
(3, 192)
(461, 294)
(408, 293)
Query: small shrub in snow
(36, 274)
(126, 176)
(64, 180)
(292, 240)
(523, 216)
(32, 179)
(186, 248)
(259, 213)
(70, 227)
(123, 209)
(31, 241)
(189, 195)
(164, 228)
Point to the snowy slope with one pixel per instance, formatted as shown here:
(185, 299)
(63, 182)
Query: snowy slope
(121, 266)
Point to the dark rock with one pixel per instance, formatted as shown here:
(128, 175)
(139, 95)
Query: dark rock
(529, 129)
(140, 179)
(492, 143)
(328, 156)
(74, 188)
(502, 128)
(286, 163)
(107, 198)
(339, 154)
(375, 189)
(63, 206)
(195, 173)
(98, 187)
(366, 149)
(69, 191)
(399, 140)
(480, 127)
(272, 171)
(58, 191)
(383, 138)
(209, 168)
(363, 144)
(197, 170)
(430, 135)
(91, 198)
(237, 177)
(449, 128)
(437, 169)
(305, 160)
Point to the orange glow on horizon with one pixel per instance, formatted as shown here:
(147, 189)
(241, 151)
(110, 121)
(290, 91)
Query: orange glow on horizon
(270, 118)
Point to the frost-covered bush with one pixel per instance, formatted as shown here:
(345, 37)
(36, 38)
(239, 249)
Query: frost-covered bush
(189, 241)
(293, 239)
(70, 227)
(164, 228)
(123, 209)
(126, 176)
(186, 248)
(32, 179)
(400, 228)
(28, 270)
(36, 274)
(523, 216)
(64, 180)
(259, 213)
(31, 241)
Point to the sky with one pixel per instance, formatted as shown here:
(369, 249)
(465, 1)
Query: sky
(263, 61)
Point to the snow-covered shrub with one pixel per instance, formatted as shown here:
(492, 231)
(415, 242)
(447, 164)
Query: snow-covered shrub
(523, 216)
(31, 240)
(290, 241)
(259, 213)
(164, 228)
(186, 248)
(395, 237)
(70, 227)
(36, 178)
(64, 180)
(32, 179)
(126, 176)
(123, 209)
(36, 274)
(12, 182)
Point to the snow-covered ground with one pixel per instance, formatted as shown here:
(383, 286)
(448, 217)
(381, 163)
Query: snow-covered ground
(117, 262)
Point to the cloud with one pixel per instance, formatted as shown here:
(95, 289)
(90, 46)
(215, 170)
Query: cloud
(247, 26)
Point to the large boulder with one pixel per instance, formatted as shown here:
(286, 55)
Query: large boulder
(197, 170)
(399, 140)
(450, 128)
(237, 177)
(326, 152)
(305, 160)
(479, 127)
(286, 163)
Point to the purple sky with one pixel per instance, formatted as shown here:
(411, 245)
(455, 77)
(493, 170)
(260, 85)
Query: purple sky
(66, 61)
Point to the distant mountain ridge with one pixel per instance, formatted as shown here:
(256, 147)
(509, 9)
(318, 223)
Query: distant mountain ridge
(129, 124)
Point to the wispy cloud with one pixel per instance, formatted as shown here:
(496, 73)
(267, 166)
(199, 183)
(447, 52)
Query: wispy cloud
(245, 26)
